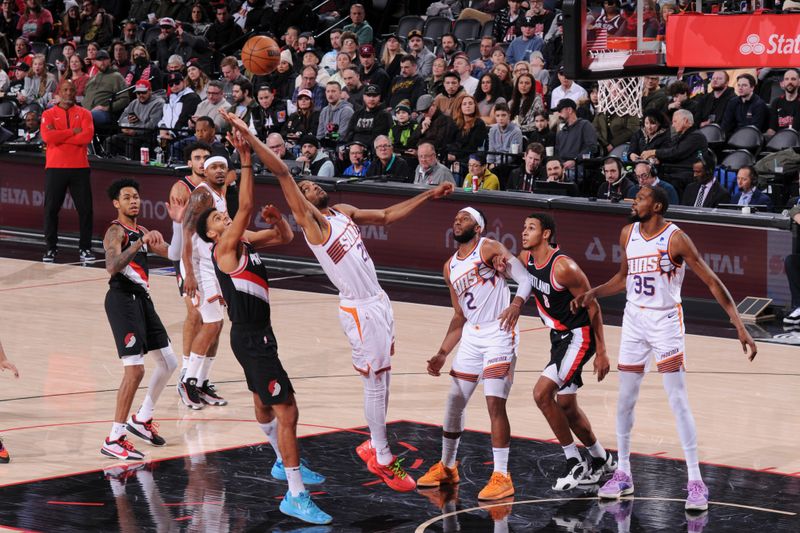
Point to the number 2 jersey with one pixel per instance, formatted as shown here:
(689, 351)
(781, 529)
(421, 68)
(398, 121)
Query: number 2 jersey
(482, 293)
(552, 300)
(654, 274)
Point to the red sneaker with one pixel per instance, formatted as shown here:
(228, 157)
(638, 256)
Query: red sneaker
(4, 456)
(366, 451)
(392, 474)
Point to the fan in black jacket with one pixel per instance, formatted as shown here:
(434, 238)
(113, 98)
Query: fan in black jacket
(369, 121)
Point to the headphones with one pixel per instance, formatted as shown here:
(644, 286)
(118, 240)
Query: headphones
(709, 161)
(617, 161)
(650, 167)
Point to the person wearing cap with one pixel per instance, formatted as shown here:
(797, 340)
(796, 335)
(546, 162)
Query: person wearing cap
(371, 72)
(304, 121)
(315, 161)
(334, 118)
(103, 96)
(408, 85)
(270, 115)
(567, 89)
(17, 82)
(423, 56)
(357, 153)
(138, 121)
(185, 44)
(311, 56)
(507, 22)
(523, 46)
(577, 138)
(359, 26)
(369, 121)
(448, 49)
(179, 109)
(435, 127)
(387, 163)
(403, 133)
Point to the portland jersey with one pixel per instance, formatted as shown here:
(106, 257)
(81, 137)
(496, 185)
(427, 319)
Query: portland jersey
(482, 293)
(552, 300)
(246, 289)
(187, 182)
(135, 276)
(654, 275)
(203, 248)
(345, 259)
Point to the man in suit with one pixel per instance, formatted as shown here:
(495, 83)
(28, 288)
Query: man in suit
(705, 191)
(678, 156)
(748, 194)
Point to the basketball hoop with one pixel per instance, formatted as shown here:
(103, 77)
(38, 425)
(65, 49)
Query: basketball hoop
(617, 96)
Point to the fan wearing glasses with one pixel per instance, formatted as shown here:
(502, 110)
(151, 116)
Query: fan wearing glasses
(180, 107)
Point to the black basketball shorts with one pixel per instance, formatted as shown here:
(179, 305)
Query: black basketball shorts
(257, 352)
(569, 351)
(134, 323)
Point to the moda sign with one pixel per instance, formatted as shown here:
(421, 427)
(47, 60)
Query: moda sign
(733, 41)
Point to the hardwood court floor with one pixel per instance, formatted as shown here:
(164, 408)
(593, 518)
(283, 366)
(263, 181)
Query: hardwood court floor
(54, 418)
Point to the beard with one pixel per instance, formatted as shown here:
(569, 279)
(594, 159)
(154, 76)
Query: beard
(636, 217)
(322, 202)
(466, 235)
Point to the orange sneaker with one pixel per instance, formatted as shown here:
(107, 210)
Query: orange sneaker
(365, 451)
(499, 509)
(439, 474)
(4, 456)
(392, 474)
(439, 496)
(499, 487)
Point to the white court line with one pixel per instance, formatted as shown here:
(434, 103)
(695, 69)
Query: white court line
(421, 528)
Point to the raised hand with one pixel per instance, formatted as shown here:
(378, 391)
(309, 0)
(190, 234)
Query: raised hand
(235, 122)
(270, 214)
(238, 141)
(176, 208)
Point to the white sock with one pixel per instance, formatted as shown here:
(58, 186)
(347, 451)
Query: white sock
(675, 385)
(145, 412)
(571, 451)
(117, 430)
(375, 391)
(295, 480)
(449, 451)
(629, 383)
(270, 429)
(500, 460)
(597, 450)
(205, 370)
(195, 363)
(117, 488)
(185, 363)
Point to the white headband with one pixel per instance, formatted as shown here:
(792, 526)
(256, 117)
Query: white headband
(474, 214)
(216, 159)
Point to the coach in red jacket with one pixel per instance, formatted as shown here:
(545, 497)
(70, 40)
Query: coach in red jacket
(67, 130)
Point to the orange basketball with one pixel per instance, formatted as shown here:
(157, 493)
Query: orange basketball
(261, 55)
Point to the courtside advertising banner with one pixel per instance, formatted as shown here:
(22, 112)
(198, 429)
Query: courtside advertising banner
(733, 41)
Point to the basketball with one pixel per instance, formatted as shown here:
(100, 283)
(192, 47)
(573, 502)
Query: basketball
(261, 55)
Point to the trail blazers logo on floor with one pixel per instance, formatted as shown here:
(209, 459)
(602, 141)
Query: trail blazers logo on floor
(130, 340)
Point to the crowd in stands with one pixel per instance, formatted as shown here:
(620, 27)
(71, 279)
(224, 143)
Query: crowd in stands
(475, 90)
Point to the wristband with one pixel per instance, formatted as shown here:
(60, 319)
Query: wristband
(246, 166)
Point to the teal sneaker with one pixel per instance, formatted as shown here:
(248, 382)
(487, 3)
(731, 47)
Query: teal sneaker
(304, 508)
(309, 476)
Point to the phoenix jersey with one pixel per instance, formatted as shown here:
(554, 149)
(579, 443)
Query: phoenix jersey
(345, 259)
(246, 289)
(552, 300)
(135, 276)
(654, 275)
(203, 248)
(482, 292)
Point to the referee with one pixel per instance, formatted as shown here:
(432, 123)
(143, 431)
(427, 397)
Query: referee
(67, 130)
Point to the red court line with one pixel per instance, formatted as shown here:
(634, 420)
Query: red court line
(533, 329)
(84, 504)
(52, 284)
(182, 518)
(417, 463)
(369, 483)
(658, 453)
(407, 445)
(3, 526)
(190, 503)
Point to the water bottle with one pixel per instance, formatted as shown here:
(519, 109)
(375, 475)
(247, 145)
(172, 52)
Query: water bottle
(159, 156)
(625, 156)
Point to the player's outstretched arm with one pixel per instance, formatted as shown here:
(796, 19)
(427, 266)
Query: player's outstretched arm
(568, 274)
(613, 286)
(116, 259)
(5, 364)
(199, 201)
(396, 212)
(684, 247)
(280, 232)
(453, 335)
(176, 209)
(229, 244)
(305, 214)
(495, 254)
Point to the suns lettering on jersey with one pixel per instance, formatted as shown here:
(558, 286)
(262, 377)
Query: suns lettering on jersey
(349, 238)
(651, 264)
(466, 281)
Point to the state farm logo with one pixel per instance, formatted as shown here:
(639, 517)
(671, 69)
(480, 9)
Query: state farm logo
(752, 46)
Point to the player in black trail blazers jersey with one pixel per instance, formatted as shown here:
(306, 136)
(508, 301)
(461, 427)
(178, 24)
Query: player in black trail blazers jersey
(574, 338)
(243, 281)
(136, 326)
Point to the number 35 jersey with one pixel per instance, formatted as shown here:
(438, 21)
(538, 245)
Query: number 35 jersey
(655, 275)
(482, 292)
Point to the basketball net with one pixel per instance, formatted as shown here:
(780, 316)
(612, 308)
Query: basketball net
(620, 96)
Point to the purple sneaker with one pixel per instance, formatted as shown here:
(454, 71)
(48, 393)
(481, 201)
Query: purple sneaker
(620, 484)
(696, 523)
(698, 496)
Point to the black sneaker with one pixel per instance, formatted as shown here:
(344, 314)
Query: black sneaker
(147, 430)
(598, 467)
(209, 395)
(49, 256)
(190, 394)
(573, 473)
(87, 257)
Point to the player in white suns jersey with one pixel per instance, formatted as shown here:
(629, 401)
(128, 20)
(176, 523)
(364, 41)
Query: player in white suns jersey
(365, 312)
(655, 256)
(485, 323)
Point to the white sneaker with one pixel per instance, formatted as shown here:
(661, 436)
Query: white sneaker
(574, 472)
(121, 449)
(793, 318)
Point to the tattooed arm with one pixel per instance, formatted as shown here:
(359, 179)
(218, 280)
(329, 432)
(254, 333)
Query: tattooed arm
(199, 201)
(116, 259)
